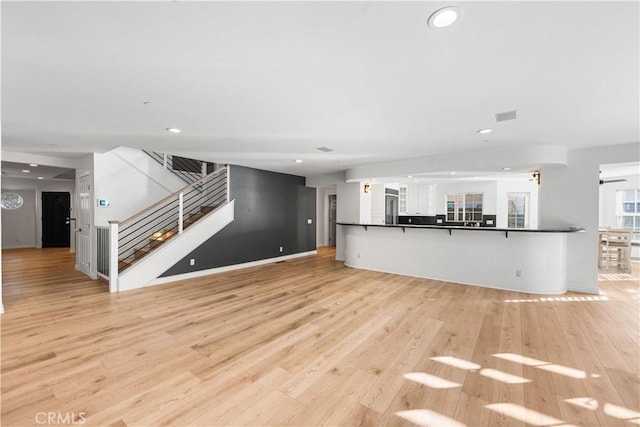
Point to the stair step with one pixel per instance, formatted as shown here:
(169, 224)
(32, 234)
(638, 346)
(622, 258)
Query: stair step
(207, 209)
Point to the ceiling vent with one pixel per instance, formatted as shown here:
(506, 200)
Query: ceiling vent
(507, 115)
(325, 149)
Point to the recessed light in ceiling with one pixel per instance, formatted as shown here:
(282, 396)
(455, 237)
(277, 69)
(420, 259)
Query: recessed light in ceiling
(506, 169)
(173, 130)
(298, 160)
(484, 131)
(444, 17)
(40, 177)
(26, 170)
(452, 173)
(409, 176)
(33, 165)
(325, 149)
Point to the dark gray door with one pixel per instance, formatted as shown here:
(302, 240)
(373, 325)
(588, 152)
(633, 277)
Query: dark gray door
(332, 219)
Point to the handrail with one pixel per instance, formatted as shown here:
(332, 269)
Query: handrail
(173, 165)
(172, 195)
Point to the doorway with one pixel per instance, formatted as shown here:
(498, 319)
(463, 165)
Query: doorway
(391, 207)
(332, 219)
(56, 211)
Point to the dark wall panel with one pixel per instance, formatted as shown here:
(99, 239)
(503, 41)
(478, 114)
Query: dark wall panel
(271, 211)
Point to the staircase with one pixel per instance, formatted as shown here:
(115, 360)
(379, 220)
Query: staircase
(159, 237)
(142, 235)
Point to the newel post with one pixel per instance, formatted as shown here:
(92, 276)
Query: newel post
(113, 256)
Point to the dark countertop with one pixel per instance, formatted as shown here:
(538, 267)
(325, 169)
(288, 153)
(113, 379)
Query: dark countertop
(449, 227)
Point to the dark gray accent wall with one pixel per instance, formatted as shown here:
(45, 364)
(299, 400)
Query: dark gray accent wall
(271, 211)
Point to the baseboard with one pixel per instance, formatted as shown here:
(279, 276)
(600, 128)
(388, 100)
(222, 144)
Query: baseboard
(195, 274)
(582, 290)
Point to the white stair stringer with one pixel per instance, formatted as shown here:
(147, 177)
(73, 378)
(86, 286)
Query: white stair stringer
(149, 268)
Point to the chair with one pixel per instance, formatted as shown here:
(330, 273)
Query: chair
(618, 248)
(603, 248)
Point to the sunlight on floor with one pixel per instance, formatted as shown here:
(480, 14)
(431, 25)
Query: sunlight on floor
(523, 414)
(426, 417)
(430, 380)
(584, 402)
(551, 367)
(615, 411)
(563, 370)
(494, 374)
(457, 363)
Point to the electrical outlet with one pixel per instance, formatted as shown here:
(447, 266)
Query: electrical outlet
(518, 273)
(192, 261)
(281, 249)
(309, 221)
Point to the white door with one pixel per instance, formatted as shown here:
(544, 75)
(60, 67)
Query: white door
(83, 225)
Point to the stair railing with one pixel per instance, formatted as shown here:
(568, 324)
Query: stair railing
(188, 170)
(164, 219)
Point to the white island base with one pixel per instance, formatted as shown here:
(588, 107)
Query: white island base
(531, 262)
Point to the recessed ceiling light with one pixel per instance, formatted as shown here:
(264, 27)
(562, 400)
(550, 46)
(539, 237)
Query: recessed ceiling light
(173, 130)
(484, 131)
(298, 160)
(452, 173)
(33, 165)
(409, 176)
(444, 17)
(26, 170)
(506, 169)
(40, 177)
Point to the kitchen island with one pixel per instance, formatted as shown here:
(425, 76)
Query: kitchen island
(523, 260)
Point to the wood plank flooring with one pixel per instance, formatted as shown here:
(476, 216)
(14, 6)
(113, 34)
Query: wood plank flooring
(312, 342)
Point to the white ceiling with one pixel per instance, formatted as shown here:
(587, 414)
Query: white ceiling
(265, 83)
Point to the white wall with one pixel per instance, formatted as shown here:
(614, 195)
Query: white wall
(569, 196)
(378, 204)
(19, 225)
(348, 211)
(128, 187)
(365, 206)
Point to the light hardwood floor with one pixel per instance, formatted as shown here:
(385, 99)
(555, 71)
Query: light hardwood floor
(311, 342)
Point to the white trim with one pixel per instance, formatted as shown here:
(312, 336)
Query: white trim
(460, 282)
(582, 289)
(217, 270)
(1, 308)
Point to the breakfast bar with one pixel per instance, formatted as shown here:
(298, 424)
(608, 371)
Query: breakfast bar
(522, 260)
